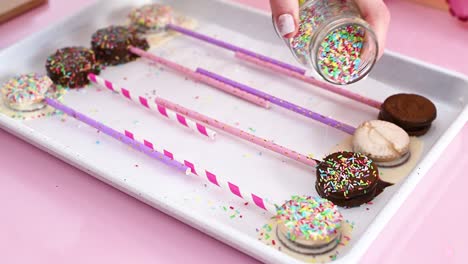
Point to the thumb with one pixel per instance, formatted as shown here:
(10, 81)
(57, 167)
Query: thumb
(285, 16)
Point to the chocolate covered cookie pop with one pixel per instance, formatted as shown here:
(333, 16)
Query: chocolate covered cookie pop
(69, 67)
(111, 44)
(347, 179)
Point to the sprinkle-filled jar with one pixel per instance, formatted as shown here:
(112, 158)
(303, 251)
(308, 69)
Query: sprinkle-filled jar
(334, 40)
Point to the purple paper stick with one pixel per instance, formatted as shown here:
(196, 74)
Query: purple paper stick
(117, 135)
(234, 48)
(280, 102)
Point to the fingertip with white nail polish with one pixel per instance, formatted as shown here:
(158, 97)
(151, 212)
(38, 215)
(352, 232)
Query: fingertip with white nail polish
(286, 24)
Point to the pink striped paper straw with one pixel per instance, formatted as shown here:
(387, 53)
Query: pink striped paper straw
(237, 132)
(143, 101)
(201, 78)
(166, 157)
(211, 177)
(310, 80)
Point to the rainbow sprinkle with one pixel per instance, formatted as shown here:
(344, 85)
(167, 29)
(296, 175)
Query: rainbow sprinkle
(69, 66)
(111, 44)
(339, 55)
(309, 217)
(343, 172)
(26, 88)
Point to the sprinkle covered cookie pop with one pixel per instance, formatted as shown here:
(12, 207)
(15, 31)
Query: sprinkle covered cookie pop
(27, 92)
(309, 225)
(151, 18)
(69, 67)
(347, 179)
(111, 44)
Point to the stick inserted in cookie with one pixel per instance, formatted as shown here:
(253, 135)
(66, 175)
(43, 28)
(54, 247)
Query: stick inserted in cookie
(149, 104)
(117, 135)
(211, 177)
(307, 79)
(282, 103)
(201, 78)
(238, 132)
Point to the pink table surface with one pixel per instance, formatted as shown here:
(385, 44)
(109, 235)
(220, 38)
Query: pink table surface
(54, 213)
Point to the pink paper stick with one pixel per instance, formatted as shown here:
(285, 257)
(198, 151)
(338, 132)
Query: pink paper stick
(210, 176)
(201, 78)
(180, 119)
(310, 80)
(237, 132)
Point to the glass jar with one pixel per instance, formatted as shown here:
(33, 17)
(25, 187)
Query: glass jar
(334, 40)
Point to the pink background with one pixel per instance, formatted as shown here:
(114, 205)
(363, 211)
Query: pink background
(54, 213)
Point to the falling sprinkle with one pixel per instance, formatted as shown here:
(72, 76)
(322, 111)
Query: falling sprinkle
(98, 142)
(252, 129)
(233, 212)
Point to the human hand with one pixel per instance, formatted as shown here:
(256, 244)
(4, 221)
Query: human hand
(375, 12)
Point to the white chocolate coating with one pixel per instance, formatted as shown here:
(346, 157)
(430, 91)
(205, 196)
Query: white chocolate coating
(382, 141)
(26, 92)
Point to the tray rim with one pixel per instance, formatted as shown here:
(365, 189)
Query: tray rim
(224, 233)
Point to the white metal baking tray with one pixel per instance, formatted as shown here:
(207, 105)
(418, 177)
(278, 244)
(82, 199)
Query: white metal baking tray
(189, 199)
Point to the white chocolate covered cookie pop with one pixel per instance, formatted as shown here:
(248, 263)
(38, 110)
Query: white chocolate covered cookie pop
(151, 18)
(27, 92)
(385, 143)
(309, 225)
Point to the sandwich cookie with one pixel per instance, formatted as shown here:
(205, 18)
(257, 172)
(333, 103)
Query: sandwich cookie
(309, 225)
(111, 44)
(69, 67)
(385, 143)
(348, 179)
(414, 113)
(151, 18)
(27, 92)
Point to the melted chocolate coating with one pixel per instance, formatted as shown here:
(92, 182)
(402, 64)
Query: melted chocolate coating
(69, 67)
(111, 45)
(347, 179)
